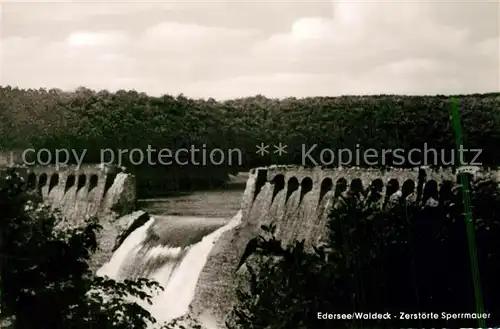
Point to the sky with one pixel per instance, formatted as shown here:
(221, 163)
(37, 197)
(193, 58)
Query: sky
(231, 49)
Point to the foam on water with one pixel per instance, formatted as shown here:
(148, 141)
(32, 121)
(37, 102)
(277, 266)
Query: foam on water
(176, 269)
(131, 244)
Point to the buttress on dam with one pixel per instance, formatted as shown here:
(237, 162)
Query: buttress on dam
(195, 259)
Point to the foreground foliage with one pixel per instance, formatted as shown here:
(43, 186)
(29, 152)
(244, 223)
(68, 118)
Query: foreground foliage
(410, 255)
(46, 282)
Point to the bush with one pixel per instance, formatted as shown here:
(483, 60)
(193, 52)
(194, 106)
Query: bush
(407, 255)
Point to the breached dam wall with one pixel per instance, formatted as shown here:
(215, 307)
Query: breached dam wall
(298, 200)
(87, 191)
(81, 192)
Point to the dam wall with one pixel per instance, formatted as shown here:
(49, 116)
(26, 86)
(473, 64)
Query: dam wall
(298, 200)
(81, 192)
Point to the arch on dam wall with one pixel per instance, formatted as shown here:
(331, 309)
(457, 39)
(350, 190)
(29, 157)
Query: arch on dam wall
(108, 181)
(70, 182)
(82, 181)
(260, 182)
(356, 186)
(94, 180)
(340, 187)
(326, 186)
(32, 181)
(42, 181)
(430, 191)
(408, 188)
(279, 184)
(291, 186)
(467, 176)
(377, 185)
(54, 181)
(305, 187)
(446, 190)
(392, 187)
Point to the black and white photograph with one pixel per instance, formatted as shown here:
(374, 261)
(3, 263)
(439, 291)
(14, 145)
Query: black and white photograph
(249, 164)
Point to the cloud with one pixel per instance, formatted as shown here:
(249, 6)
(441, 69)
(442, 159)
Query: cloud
(358, 48)
(175, 38)
(82, 59)
(106, 39)
(18, 46)
(197, 32)
(386, 47)
(81, 10)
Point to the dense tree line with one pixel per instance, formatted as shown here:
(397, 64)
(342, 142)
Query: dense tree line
(91, 120)
(408, 256)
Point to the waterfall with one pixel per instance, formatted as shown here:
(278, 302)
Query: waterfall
(130, 246)
(176, 268)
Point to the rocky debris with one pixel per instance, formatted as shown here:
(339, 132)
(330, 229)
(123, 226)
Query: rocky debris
(127, 224)
(114, 231)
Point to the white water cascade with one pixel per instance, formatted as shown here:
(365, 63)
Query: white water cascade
(176, 269)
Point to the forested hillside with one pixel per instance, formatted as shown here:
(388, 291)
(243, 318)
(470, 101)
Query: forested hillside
(93, 120)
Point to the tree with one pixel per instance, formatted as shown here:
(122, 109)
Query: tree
(45, 278)
(407, 255)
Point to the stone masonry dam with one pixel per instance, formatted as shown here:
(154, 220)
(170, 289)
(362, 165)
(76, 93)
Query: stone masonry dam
(296, 199)
(80, 192)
